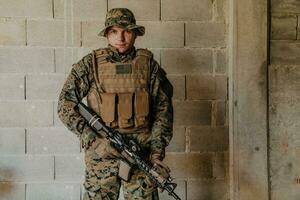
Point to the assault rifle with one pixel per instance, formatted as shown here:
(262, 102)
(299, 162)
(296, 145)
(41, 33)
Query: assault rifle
(130, 151)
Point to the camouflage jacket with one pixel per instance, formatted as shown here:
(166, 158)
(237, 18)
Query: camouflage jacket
(77, 86)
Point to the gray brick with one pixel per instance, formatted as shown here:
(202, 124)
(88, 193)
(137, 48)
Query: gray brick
(90, 38)
(180, 191)
(178, 82)
(192, 113)
(220, 165)
(217, 137)
(200, 87)
(12, 141)
(186, 10)
(205, 34)
(206, 87)
(26, 113)
(89, 9)
(51, 141)
(11, 86)
(221, 113)
(284, 27)
(221, 8)
(52, 33)
(285, 53)
(207, 189)
(177, 143)
(26, 168)
(142, 9)
(187, 61)
(44, 86)
(12, 32)
(195, 165)
(53, 191)
(66, 57)
(161, 35)
(221, 62)
(286, 6)
(59, 9)
(26, 8)
(26, 60)
(69, 168)
(12, 191)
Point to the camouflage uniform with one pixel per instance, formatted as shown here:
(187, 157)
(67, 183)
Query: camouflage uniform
(101, 159)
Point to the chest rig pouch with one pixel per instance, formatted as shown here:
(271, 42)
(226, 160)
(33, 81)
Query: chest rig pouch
(121, 96)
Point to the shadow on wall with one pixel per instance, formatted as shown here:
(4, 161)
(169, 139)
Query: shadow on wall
(6, 188)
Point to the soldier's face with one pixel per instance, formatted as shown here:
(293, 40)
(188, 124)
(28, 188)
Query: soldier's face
(120, 38)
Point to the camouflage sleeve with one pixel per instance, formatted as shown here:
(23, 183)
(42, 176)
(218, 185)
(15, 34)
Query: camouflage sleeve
(74, 90)
(162, 110)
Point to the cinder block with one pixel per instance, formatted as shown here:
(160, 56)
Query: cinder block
(52, 141)
(186, 10)
(208, 139)
(66, 57)
(221, 113)
(26, 168)
(90, 38)
(52, 33)
(285, 53)
(200, 87)
(12, 32)
(59, 9)
(207, 189)
(12, 191)
(178, 82)
(205, 34)
(142, 9)
(221, 62)
(285, 6)
(284, 27)
(12, 86)
(26, 8)
(26, 60)
(220, 165)
(221, 87)
(89, 9)
(26, 113)
(161, 35)
(69, 168)
(178, 141)
(65, 191)
(187, 61)
(221, 8)
(180, 191)
(189, 113)
(12, 141)
(190, 165)
(206, 87)
(44, 86)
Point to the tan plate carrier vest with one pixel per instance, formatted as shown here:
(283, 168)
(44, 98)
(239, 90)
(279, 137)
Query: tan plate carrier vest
(121, 97)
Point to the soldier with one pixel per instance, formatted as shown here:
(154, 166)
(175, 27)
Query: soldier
(131, 93)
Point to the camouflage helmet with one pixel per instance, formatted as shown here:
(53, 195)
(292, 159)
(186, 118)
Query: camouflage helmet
(123, 18)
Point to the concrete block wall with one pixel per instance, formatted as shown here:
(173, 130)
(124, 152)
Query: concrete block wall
(39, 41)
(284, 75)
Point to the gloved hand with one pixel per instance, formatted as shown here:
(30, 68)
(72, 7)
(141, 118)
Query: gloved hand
(161, 167)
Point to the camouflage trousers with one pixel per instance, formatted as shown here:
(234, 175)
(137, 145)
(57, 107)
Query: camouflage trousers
(102, 181)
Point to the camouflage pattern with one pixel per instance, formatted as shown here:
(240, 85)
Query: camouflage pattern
(100, 158)
(123, 18)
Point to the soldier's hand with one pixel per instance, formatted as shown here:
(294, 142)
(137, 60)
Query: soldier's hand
(161, 167)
